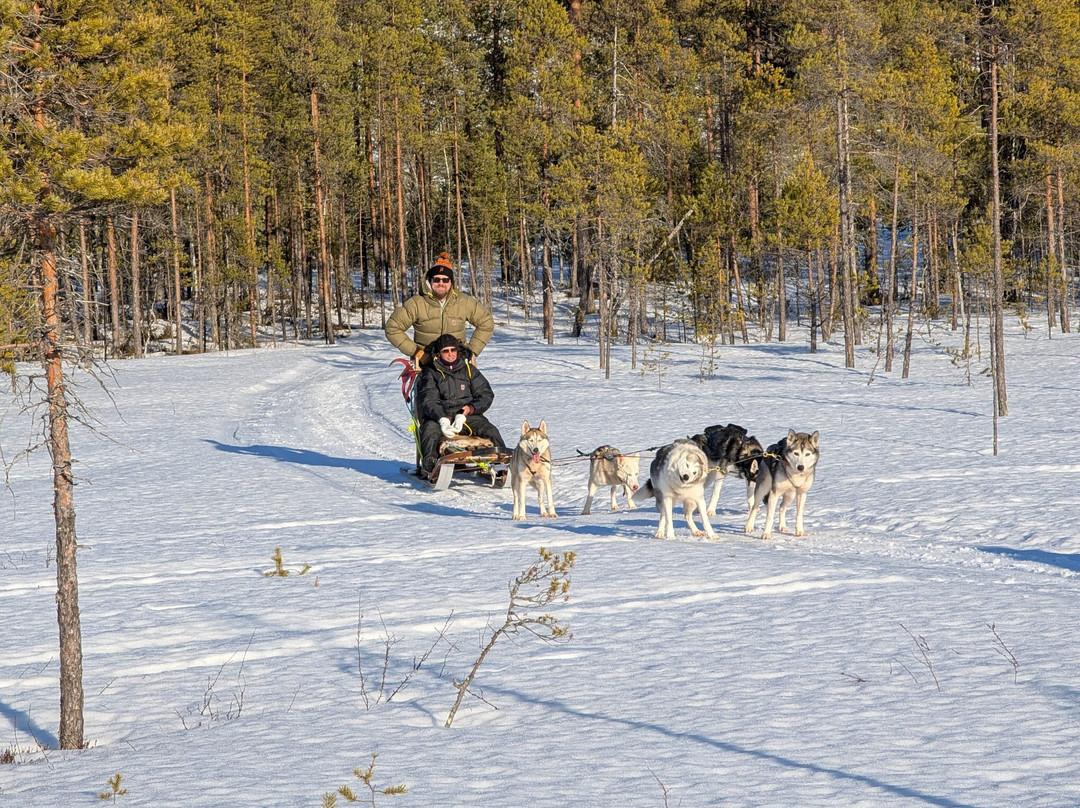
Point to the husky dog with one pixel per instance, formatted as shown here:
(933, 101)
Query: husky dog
(729, 448)
(531, 464)
(785, 474)
(608, 467)
(677, 474)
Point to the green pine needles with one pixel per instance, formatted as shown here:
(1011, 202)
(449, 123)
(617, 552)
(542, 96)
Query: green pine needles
(280, 570)
(115, 789)
(367, 777)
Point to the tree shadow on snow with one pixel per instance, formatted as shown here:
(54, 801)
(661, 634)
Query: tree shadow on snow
(1065, 561)
(381, 469)
(729, 747)
(22, 722)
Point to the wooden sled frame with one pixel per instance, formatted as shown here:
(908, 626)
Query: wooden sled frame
(469, 455)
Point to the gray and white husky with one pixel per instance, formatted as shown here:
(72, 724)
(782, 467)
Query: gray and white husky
(608, 467)
(677, 474)
(531, 465)
(729, 449)
(785, 473)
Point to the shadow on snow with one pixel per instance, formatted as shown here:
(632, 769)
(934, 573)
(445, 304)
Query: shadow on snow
(1065, 561)
(22, 722)
(380, 469)
(730, 747)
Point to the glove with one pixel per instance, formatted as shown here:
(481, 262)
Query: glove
(447, 428)
(417, 358)
(459, 422)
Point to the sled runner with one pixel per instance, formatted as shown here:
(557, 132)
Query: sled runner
(468, 456)
(465, 455)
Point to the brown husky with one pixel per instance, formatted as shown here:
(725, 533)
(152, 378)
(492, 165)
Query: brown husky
(608, 467)
(531, 465)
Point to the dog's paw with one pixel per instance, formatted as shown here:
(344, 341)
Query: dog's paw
(800, 532)
(766, 536)
(551, 515)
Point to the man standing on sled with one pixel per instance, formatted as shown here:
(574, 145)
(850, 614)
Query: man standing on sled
(451, 399)
(442, 310)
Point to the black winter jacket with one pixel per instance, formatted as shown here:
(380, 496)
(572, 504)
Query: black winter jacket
(441, 393)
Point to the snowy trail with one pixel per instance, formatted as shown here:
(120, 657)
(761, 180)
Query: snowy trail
(734, 672)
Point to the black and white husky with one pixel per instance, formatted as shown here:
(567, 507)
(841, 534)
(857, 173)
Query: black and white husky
(677, 474)
(729, 449)
(785, 473)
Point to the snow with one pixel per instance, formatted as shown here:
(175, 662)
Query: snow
(916, 648)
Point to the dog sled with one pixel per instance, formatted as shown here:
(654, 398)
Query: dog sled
(464, 456)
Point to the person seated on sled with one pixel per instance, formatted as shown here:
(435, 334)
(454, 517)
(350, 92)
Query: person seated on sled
(451, 399)
(442, 310)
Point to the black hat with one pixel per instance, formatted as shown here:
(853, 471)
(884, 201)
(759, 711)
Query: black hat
(442, 266)
(445, 341)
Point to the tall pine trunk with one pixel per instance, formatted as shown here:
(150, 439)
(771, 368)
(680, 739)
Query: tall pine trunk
(249, 223)
(323, 275)
(997, 298)
(114, 283)
(177, 311)
(399, 182)
(847, 225)
(890, 280)
(84, 266)
(1051, 255)
(1063, 297)
(67, 580)
(136, 289)
(913, 287)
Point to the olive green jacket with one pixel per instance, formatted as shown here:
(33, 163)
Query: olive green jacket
(429, 320)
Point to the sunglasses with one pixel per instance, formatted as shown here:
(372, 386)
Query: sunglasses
(448, 350)
(440, 279)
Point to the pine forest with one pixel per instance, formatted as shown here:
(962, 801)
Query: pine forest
(207, 175)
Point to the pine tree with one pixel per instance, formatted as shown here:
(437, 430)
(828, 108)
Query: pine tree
(82, 128)
(538, 125)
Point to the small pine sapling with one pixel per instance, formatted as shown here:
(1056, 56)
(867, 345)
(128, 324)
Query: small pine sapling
(655, 360)
(367, 777)
(114, 788)
(536, 588)
(280, 570)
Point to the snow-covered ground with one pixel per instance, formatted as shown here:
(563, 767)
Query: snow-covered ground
(918, 647)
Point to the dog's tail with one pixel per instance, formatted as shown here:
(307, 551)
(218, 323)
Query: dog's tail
(644, 493)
